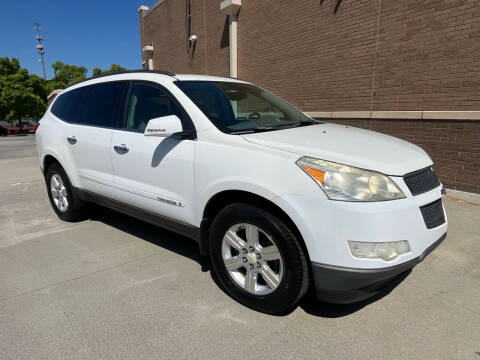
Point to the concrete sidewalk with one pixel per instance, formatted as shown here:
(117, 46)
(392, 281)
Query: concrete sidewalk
(115, 287)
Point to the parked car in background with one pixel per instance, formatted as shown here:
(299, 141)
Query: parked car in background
(280, 202)
(26, 127)
(29, 128)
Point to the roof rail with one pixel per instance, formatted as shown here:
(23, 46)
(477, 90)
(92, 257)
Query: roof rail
(162, 72)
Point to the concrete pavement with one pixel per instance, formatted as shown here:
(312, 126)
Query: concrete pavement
(115, 287)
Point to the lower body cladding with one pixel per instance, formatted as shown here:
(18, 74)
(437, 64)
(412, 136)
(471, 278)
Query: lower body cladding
(329, 228)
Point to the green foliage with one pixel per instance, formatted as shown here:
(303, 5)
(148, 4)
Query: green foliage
(113, 68)
(21, 95)
(9, 67)
(66, 74)
(38, 85)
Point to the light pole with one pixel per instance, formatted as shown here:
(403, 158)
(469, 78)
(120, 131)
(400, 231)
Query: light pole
(40, 48)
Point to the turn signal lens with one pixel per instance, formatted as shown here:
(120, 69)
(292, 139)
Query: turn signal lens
(318, 175)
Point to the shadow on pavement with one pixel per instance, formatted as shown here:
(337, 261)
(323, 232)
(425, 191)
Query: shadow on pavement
(189, 248)
(153, 234)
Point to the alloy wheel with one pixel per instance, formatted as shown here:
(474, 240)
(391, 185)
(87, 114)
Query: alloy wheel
(252, 259)
(59, 192)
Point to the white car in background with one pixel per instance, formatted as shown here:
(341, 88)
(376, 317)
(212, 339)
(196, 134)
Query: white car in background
(280, 202)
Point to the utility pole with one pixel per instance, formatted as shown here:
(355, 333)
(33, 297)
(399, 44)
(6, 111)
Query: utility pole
(40, 48)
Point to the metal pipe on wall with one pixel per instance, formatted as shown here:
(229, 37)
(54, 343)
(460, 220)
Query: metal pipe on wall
(233, 45)
(231, 7)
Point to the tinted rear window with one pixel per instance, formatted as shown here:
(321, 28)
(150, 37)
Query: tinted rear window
(68, 106)
(101, 106)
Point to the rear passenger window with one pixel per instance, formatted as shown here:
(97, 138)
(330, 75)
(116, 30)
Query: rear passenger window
(146, 102)
(68, 106)
(103, 101)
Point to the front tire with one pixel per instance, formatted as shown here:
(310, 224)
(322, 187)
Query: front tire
(258, 259)
(66, 205)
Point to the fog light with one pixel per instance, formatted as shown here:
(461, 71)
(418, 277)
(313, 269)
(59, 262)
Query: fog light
(379, 250)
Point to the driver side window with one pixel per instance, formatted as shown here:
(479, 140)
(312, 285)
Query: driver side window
(146, 102)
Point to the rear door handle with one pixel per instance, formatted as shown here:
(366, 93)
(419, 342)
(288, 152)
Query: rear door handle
(72, 140)
(121, 148)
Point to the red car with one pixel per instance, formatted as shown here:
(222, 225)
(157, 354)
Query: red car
(26, 128)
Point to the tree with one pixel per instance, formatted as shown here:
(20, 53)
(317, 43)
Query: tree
(65, 75)
(38, 85)
(24, 95)
(57, 65)
(9, 67)
(68, 74)
(21, 94)
(113, 68)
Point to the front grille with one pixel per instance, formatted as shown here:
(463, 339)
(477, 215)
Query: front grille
(421, 181)
(433, 214)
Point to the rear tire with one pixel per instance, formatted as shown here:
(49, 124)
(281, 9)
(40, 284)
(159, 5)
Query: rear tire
(64, 201)
(267, 268)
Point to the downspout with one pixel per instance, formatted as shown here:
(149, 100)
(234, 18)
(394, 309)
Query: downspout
(233, 46)
(142, 12)
(231, 7)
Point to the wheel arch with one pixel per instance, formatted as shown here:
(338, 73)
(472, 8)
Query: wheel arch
(227, 197)
(49, 160)
(50, 157)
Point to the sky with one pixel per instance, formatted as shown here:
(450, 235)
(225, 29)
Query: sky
(86, 33)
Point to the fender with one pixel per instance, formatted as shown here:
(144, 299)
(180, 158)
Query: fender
(228, 185)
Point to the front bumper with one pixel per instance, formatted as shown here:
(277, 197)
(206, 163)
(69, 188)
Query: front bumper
(342, 285)
(326, 226)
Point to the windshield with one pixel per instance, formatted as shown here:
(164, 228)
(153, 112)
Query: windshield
(237, 108)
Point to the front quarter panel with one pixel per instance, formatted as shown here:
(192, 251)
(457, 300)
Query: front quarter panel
(231, 163)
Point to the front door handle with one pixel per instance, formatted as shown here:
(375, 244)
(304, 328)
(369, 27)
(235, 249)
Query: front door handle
(72, 140)
(122, 149)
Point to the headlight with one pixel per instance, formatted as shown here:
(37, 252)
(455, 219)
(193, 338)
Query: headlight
(347, 183)
(382, 250)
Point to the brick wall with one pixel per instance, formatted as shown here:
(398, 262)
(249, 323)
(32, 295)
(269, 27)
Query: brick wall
(164, 26)
(370, 55)
(426, 56)
(303, 52)
(454, 146)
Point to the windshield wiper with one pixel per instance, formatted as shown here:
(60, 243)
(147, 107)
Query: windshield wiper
(255, 130)
(277, 127)
(310, 122)
(242, 132)
(287, 126)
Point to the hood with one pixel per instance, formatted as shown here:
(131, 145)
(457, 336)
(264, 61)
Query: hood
(347, 145)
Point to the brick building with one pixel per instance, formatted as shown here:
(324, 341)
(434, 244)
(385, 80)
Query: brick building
(409, 68)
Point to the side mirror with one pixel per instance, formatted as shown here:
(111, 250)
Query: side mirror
(164, 126)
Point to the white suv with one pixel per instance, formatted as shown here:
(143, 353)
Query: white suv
(277, 200)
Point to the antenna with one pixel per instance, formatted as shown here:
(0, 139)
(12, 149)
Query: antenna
(40, 47)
